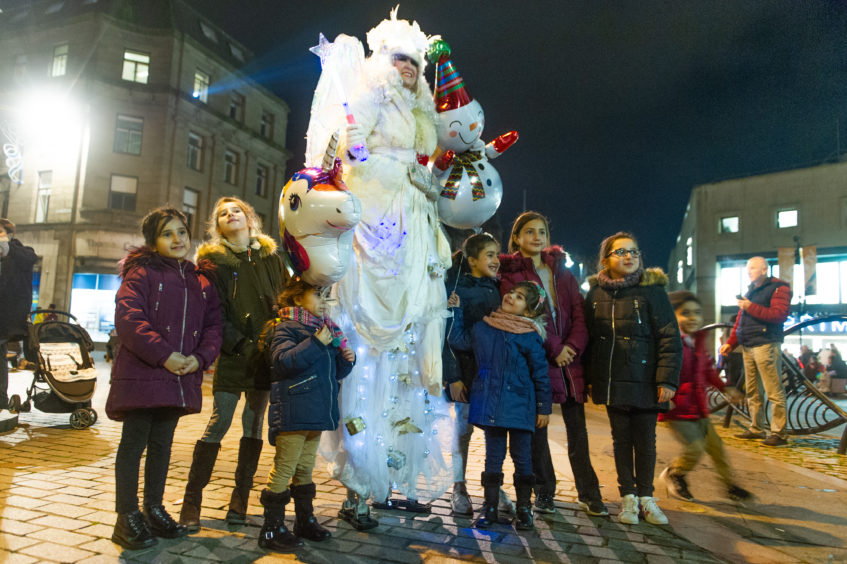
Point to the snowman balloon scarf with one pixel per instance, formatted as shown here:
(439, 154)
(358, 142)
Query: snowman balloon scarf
(317, 214)
(471, 188)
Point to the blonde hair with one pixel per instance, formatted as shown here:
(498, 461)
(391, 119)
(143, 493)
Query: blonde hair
(254, 224)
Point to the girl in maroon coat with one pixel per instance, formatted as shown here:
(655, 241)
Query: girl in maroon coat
(689, 418)
(533, 259)
(167, 317)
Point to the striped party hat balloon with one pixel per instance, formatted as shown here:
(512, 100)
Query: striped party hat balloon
(450, 91)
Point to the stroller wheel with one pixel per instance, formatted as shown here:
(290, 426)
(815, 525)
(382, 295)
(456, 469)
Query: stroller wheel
(92, 415)
(80, 419)
(14, 405)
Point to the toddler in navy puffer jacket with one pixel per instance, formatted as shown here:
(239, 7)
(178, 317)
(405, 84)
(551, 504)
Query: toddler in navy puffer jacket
(510, 395)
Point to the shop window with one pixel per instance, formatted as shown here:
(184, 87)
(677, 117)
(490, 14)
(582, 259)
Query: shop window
(231, 167)
(729, 224)
(787, 218)
(262, 181)
(201, 86)
(730, 283)
(136, 67)
(60, 60)
(195, 152)
(826, 284)
(122, 192)
(128, 133)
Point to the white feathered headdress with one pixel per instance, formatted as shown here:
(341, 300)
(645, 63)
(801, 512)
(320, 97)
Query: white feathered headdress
(393, 36)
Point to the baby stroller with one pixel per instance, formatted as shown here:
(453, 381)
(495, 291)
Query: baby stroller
(64, 378)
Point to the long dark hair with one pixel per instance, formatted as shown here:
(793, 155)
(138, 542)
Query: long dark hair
(155, 221)
(295, 288)
(534, 305)
(522, 220)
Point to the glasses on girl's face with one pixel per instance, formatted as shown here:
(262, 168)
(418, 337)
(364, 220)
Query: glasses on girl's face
(621, 253)
(401, 58)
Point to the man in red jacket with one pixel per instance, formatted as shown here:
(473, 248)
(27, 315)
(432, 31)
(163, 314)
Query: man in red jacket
(758, 329)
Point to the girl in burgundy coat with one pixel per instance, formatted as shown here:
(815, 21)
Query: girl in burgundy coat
(533, 259)
(689, 418)
(167, 317)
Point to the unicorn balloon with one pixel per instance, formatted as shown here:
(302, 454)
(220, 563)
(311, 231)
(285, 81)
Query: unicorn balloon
(317, 214)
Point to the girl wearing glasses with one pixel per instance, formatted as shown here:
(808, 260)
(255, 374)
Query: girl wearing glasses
(533, 259)
(633, 361)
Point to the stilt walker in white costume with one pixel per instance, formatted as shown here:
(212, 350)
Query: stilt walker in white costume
(396, 420)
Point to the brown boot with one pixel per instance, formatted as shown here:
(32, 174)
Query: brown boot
(249, 450)
(202, 464)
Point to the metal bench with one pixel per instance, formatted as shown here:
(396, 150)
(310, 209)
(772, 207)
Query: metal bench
(808, 410)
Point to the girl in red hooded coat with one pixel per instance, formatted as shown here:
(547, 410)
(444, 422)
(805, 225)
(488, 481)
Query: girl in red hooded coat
(533, 259)
(168, 319)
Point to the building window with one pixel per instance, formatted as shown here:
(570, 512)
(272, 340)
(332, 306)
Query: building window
(729, 224)
(208, 32)
(266, 126)
(53, 8)
(5, 189)
(190, 201)
(236, 107)
(262, 181)
(19, 72)
(60, 60)
(128, 135)
(231, 167)
(680, 274)
(262, 219)
(786, 218)
(195, 151)
(236, 52)
(122, 192)
(201, 86)
(136, 67)
(42, 204)
(689, 251)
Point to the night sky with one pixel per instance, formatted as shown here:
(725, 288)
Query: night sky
(622, 107)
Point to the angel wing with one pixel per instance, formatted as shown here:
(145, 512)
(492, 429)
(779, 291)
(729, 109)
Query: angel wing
(342, 62)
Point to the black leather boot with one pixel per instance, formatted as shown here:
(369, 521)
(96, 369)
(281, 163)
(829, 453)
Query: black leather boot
(162, 524)
(523, 511)
(491, 483)
(305, 524)
(249, 450)
(202, 464)
(132, 532)
(274, 534)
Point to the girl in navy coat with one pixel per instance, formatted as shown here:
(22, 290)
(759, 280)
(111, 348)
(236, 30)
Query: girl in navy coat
(510, 395)
(167, 317)
(309, 355)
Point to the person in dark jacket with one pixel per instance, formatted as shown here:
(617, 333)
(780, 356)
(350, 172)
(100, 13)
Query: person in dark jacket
(248, 277)
(474, 279)
(309, 356)
(689, 418)
(167, 316)
(758, 329)
(16, 262)
(633, 360)
(510, 395)
(567, 337)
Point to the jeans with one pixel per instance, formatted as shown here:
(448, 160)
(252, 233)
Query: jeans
(764, 363)
(463, 433)
(4, 374)
(519, 448)
(252, 418)
(152, 429)
(542, 463)
(294, 459)
(698, 436)
(634, 437)
(585, 479)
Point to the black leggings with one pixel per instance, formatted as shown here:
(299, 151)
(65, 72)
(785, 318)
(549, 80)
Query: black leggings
(634, 440)
(152, 429)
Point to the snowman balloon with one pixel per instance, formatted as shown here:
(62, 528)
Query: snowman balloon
(471, 189)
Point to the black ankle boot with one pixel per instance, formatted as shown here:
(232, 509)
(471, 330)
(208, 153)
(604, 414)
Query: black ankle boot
(274, 534)
(305, 524)
(523, 511)
(202, 464)
(491, 483)
(162, 524)
(249, 450)
(131, 531)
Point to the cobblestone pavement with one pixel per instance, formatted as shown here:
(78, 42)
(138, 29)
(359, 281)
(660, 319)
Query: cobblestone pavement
(57, 505)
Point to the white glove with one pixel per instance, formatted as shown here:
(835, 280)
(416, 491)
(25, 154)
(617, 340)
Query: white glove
(355, 135)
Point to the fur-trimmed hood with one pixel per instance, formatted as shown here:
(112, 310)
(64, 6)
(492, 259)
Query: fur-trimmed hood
(653, 276)
(218, 253)
(516, 262)
(144, 256)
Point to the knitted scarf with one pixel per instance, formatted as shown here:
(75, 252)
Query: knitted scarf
(608, 283)
(305, 317)
(512, 323)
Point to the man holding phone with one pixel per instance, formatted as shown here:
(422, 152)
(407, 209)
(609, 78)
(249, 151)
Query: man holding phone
(758, 329)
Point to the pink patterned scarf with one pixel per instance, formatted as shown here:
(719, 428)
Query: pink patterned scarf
(305, 317)
(512, 323)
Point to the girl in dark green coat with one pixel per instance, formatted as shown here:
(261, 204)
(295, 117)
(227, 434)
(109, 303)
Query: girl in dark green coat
(248, 277)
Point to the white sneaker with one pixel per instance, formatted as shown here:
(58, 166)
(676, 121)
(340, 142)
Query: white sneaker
(629, 510)
(652, 513)
(460, 503)
(505, 503)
